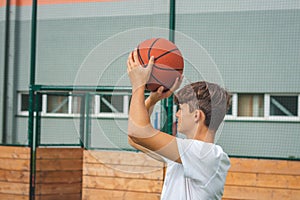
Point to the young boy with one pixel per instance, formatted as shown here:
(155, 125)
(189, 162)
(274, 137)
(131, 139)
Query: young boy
(196, 167)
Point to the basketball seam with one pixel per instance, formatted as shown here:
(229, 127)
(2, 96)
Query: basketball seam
(161, 83)
(167, 69)
(158, 81)
(139, 55)
(170, 51)
(150, 48)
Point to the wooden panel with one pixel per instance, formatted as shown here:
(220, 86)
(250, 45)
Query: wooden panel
(58, 197)
(59, 164)
(15, 152)
(240, 192)
(121, 175)
(111, 183)
(14, 176)
(54, 188)
(14, 173)
(278, 181)
(262, 179)
(93, 194)
(14, 188)
(120, 158)
(14, 164)
(59, 173)
(59, 176)
(265, 166)
(125, 171)
(13, 197)
(71, 153)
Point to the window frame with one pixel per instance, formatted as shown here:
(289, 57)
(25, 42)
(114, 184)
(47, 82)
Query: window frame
(126, 99)
(250, 117)
(266, 113)
(234, 107)
(45, 112)
(280, 118)
(96, 113)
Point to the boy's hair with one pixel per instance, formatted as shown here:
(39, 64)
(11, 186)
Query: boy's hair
(212, 99)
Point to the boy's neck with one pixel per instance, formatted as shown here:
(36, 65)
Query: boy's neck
(205, 135)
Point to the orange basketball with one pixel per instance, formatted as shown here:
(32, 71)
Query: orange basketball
(168, 62)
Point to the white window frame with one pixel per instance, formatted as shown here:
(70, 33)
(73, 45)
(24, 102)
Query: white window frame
(19, 104)
(248, 118)
(48, 114)
(234, 106)
(266, 116)
(124, 114)
(126, 96)
(19, 107)
(280, 118)
(96, 112)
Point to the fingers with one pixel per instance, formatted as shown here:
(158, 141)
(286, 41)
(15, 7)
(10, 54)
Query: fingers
(160, 90)
(131, 61)
(135, 56)
(176, 84)
(150, 63)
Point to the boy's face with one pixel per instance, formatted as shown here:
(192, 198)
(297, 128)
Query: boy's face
(185, 118)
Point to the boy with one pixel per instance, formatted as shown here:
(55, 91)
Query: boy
(196, 167)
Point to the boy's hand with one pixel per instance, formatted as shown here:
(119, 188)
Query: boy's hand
(138, 74)
(159, 94)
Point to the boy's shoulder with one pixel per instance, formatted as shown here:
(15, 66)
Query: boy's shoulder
(200, 148)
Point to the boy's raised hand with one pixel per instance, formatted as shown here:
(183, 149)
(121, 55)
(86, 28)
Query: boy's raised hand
(138, 74)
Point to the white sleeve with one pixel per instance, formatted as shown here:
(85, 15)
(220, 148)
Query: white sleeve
(200, 160)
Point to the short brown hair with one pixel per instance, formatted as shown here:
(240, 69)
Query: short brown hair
(212, 99)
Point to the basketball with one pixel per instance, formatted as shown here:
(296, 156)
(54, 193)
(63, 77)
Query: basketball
(168, 62)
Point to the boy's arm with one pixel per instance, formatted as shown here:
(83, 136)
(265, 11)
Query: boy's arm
(149, 104)
(143, 134)
(152, 154)
(140, 129)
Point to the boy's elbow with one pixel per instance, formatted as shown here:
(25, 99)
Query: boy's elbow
(132, 137)
(131, 142)
(139, 131)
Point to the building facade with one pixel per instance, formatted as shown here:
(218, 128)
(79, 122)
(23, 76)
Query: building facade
(250, 48)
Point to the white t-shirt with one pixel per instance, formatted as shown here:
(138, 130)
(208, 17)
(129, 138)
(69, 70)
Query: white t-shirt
(202, 174)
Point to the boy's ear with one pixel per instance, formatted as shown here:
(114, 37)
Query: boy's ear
(199, 116)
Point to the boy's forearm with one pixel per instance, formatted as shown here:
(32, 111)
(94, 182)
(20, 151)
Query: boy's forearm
(138, 112)
(139, 124)
(149, 106)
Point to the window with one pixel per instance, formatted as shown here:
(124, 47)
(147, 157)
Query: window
(232, 111)
(284, 106)
(116, 104)
(106, 104)
(229, 112)
(250, 105)
(76, 102)
(112, 104)
(24, 102)
(57, 104)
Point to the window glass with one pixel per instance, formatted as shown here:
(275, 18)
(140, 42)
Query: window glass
(284, 106)
(57, 104)
(76, 104)
(111, 104)
(25, 102)
(251, 105)
(229, 112)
